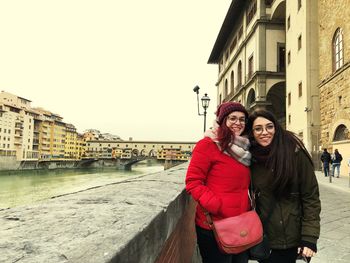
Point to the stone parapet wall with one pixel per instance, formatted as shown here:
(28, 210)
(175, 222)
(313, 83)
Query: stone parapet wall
(126, 221)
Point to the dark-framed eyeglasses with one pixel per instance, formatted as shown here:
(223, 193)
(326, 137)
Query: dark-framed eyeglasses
(234, 119)
(260, 129)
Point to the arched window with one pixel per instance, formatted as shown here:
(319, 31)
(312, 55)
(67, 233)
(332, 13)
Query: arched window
(226, 89)
(338, 52)
(251, 98)
(239, 74)
(341, 133)
(232, 81)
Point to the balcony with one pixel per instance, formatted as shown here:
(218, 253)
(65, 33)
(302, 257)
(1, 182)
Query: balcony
(18, 142)
(18, 135)
(18, 127)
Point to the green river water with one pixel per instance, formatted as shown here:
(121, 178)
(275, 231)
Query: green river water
(27, 187)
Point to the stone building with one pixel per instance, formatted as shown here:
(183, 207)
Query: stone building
(334, 73)
(250, 53)
(302, 101)
(16, 127)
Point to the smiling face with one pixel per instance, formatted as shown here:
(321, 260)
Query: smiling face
(263, 131)
(236, 122)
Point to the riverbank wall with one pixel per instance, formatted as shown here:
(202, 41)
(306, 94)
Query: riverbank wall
(9, 163)
(148, 218)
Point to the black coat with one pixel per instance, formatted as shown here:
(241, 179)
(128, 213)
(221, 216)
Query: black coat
(294, 219)
(326, 157)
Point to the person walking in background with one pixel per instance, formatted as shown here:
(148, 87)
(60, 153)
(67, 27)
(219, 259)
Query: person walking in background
(286, 189)
(336, 161)
(218, 178)
(325, 159)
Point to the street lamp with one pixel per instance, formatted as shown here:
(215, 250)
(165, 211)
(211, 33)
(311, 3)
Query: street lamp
(205, 104)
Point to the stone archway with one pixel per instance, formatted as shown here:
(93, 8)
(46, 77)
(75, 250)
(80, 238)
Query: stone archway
(276, 96)
(152, 153)
(341, 133)
(143, 152)
(250, 98)
(278, 10)
(135, 152)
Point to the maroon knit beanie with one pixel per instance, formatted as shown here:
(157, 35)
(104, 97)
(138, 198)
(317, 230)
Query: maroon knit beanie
(226, 108)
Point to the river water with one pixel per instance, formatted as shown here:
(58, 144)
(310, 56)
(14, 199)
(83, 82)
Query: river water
(27, 187)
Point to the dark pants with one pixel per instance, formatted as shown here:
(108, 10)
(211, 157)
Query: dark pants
(210, 252)
(326, 169)
(288, 255)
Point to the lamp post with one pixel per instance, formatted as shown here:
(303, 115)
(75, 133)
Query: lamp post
(205, 104)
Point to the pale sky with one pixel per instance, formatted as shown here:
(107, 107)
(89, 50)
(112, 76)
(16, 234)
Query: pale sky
(122, 67)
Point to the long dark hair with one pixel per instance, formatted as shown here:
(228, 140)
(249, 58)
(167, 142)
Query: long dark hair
(281, 158)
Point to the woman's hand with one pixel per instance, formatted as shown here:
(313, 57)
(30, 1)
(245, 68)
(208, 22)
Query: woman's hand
(306, 252)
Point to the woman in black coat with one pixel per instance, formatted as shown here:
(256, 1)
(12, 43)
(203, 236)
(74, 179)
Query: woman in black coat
(286, 189)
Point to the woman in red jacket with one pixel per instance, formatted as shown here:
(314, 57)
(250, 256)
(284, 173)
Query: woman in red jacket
(218, 178)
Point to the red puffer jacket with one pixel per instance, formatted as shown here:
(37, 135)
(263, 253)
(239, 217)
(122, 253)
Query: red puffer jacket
(217, 182)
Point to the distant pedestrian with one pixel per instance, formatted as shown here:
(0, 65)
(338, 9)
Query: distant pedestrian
(218, 178)
(336, 161)
(325, 159)
(286, 189)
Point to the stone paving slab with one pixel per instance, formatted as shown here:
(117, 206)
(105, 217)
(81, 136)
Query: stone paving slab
(334, 242)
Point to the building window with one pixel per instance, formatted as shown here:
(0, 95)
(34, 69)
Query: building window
(288, 59)
(226, 88)
(250, 66)
(289, 119)
(299, 4)
(341, 133)
(299, 42)
(233, 44)
(338, 59)
(289, 98)
(281, 67)
(240, 32)
(300, 89)
(288, 22)
(239, 74)
(251, 11)
(232, 81)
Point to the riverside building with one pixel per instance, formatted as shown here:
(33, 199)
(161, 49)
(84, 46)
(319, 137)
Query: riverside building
(250, 53)
(16, 127)
(291, 57)
(334, 73)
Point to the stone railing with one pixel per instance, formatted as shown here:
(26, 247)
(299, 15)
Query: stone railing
(148, 218)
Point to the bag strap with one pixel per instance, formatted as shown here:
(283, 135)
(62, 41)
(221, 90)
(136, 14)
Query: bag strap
(209, 219)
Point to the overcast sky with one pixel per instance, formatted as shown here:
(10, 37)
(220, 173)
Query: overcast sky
(122, 67)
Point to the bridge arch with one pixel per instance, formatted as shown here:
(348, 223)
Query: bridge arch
(152, 153)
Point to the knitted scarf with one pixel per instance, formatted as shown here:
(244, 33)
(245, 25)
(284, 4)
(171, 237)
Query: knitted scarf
(237, 149)
(260, 153)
